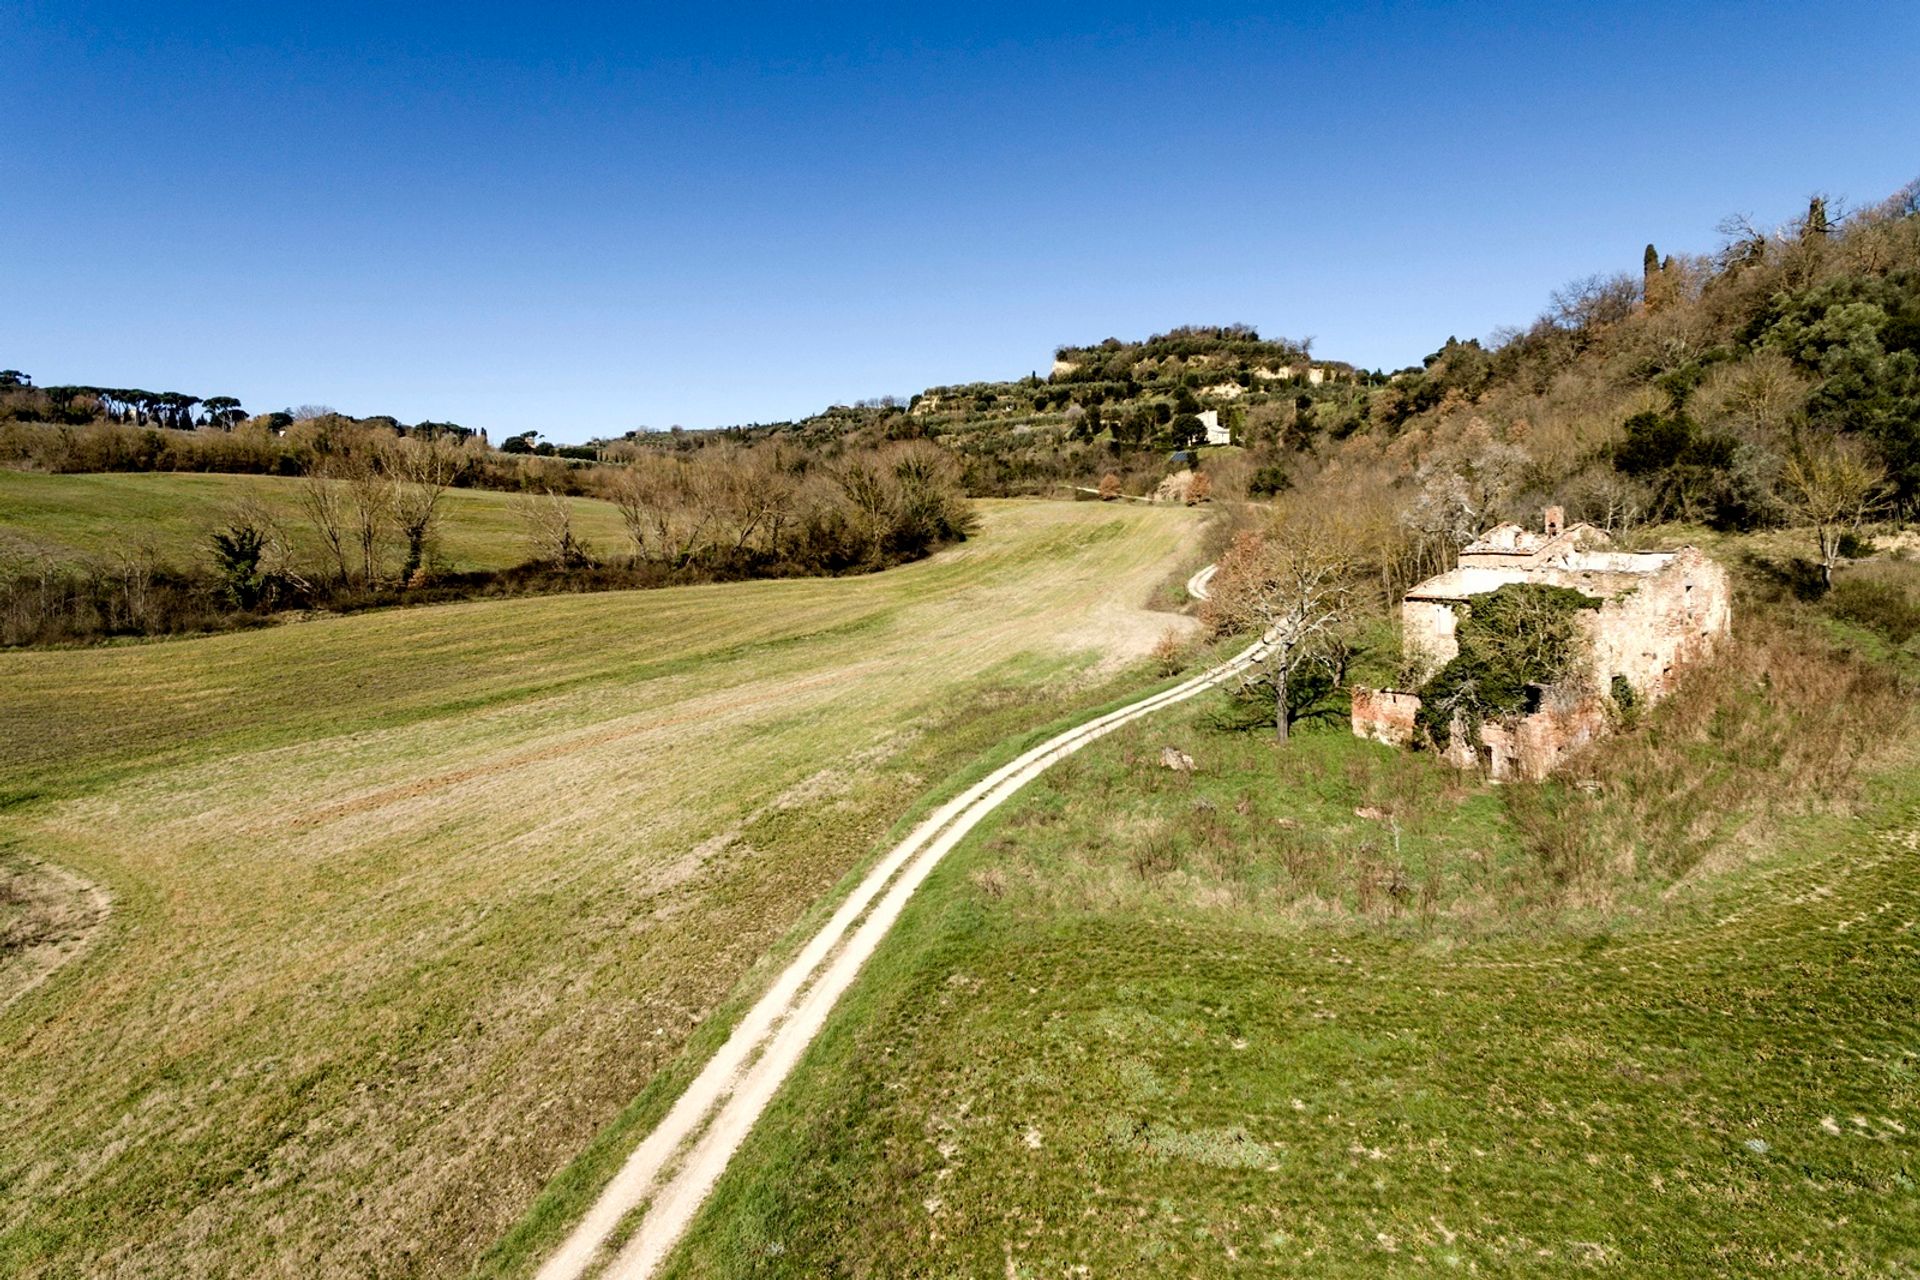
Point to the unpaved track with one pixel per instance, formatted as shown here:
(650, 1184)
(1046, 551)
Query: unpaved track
(1198, 585)
(674, 1169)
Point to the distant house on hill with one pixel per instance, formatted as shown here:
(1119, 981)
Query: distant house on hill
(1658, 613)
(1216, 434)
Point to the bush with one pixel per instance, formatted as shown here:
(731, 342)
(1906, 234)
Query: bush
(1523, 634)
(1852, 546)
(1269, 480)
(1880, 606)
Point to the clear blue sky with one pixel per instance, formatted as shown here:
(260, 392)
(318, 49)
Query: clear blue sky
(582, 221)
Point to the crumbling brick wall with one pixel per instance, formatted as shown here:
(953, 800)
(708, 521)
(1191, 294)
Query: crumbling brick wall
(1533, 746)
(1660, 612)
(1665, 622)
(1384, 715)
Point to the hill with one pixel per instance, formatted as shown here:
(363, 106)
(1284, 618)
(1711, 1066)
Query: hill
(1681, 389)
(1113, 406)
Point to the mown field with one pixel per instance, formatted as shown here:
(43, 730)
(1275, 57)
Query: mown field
(409, 905)
(102, 516)
(1335, 1010)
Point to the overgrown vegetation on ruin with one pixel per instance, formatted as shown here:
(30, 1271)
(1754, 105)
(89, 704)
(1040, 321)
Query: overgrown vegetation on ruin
(1522, 635)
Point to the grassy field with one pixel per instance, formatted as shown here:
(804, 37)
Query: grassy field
(1338, 1010)
(67, 517)
(408, 906)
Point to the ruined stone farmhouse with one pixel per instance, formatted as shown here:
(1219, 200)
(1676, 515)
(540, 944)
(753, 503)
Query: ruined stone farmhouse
(1660, 611)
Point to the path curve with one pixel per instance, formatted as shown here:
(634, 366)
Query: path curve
(674, 1168)
(1199, 586)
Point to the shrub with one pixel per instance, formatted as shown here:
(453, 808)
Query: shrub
(1878, 605)
(1523, 634)
(1625, 700)
(1851, 546)
(1269, 480)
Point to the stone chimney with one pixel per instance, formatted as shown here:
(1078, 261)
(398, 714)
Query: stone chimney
(1554, 519)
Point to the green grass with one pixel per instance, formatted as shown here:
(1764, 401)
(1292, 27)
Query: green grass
(71, 517)
(410, 906)
(1145, 1024)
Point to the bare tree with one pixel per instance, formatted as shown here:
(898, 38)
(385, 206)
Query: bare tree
(423, 470)
(549, 524)
(1290, 585)
(759, 494)
(349, 495)
(635, 497)
(1830, 485)
(671, 505)
(1610, 500)
(778, 477)
(325, 504)
(1594, 302)
(370, 494)
(869, 495)
(1463, 486)
(1760, 398)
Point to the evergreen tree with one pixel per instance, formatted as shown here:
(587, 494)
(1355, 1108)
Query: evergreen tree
(1817, 223)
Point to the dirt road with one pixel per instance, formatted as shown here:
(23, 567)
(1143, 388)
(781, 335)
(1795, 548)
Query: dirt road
(676, 1166)
(1198, 586)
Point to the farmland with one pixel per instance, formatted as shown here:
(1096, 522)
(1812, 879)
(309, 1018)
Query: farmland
(108, 514)
(407, 906)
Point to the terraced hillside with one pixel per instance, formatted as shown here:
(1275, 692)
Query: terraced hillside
(408, 906)
(101, 515)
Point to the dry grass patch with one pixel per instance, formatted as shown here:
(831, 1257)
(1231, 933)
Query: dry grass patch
(48, 917)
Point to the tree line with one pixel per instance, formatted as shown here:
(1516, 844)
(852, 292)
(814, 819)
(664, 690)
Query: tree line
(77, 405)
(370, 512)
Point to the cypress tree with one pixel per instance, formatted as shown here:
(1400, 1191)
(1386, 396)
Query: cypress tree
(1817, 224)
(1654, 287)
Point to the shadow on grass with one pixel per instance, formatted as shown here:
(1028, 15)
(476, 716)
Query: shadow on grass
(1314, 698)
